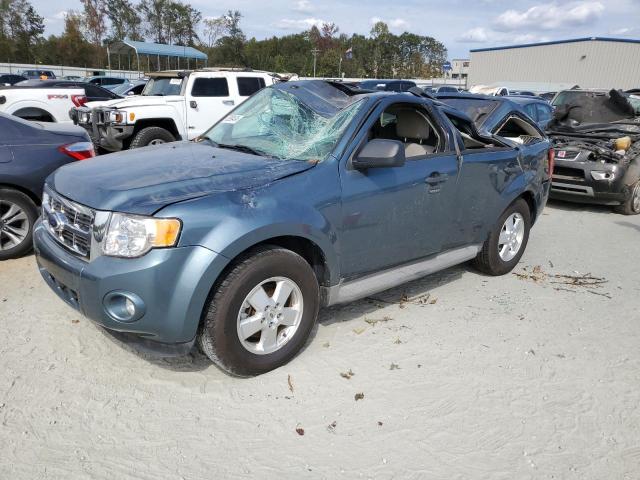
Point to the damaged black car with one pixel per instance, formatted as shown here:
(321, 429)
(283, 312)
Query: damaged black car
(596, 137)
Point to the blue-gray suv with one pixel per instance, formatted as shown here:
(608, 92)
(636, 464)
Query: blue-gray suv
(306, 195)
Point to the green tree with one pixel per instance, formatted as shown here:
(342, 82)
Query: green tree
(124, 20)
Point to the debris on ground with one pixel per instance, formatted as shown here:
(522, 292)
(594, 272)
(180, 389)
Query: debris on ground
(290, 382)
(75, 320)
(567, 283)
(332, 427)
(394, 366)
(299, 430)
(420, 300)
(347, 375)
(397, 341)
(326, 344)
(358, 396)
(374, 321)
(359, 330)
(379, 423)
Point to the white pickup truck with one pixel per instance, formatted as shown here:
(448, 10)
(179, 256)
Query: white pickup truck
(41, 104)
(174, 105)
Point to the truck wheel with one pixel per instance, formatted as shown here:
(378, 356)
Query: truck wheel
(632, 205)
(151, 136)
(507, 241)
(261, 313)
(18, 214)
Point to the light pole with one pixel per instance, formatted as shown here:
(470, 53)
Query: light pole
(340, 67)
(315, 53)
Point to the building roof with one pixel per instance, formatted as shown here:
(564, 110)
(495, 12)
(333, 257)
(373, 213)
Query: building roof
(557, 42)
(145, 48)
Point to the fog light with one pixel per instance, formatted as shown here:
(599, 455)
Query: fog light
(130, 307)
(603, 175)
(124, 306)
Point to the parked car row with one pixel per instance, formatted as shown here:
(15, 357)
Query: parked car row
(229, 218)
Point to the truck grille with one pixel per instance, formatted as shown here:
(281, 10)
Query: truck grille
(68, 222)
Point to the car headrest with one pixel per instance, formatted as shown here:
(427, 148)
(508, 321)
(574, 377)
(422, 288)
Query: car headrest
(410, 124)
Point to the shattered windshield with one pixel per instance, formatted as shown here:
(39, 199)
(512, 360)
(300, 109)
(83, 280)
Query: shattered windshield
(163, 86)
(277, 124)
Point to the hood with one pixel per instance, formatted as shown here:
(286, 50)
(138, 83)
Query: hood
(133, 101)
(142, 181)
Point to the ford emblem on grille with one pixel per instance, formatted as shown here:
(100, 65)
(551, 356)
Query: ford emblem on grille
(57, 221)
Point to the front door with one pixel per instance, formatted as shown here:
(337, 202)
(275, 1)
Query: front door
(392, 216)
(210, 96)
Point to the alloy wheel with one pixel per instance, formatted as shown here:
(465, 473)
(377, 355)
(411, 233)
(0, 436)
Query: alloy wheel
(14, 225)
(511, 237)
(270, 315)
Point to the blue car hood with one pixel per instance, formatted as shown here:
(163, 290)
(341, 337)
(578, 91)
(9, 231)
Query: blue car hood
(144, 180)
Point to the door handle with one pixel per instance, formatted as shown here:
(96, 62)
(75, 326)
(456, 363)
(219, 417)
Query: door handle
(436, 178)
(193, 104)
(228, 102)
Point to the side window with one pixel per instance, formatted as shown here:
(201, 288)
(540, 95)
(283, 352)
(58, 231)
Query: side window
(247, 86)
(544, 112)
(137, 90)
(410, 125)
(210, 87)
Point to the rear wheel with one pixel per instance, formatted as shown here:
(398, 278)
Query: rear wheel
(18, 214)
(632, 205)
(261, 314)
(507, 241)
(151, 136)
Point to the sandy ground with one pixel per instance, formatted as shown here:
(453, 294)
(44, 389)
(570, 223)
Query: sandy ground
(473, 377)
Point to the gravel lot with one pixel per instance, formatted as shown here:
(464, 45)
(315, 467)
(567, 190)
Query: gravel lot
(463, 376)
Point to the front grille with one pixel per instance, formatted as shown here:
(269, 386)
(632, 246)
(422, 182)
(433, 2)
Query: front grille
(566, 154)
(568, 173)
(68, 222)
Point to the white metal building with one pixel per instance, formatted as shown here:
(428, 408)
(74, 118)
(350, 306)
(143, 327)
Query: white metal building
(593, 62)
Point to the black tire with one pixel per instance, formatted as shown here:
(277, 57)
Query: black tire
(24, 203)
(632, 205)
(148, 135)
(218, 335)
(488, 260)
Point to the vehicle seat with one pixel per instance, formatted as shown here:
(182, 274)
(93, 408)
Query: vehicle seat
(414, 129)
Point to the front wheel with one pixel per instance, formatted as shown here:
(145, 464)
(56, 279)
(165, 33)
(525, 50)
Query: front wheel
(151, 136)
(632, 205)
(18, 214)
(507, 241)
(261, 314)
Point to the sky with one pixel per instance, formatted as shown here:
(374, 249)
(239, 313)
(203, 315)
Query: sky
(460, 24)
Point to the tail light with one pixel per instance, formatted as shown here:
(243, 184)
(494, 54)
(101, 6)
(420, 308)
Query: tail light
(78, 150)
(552, 161)
(79, 100)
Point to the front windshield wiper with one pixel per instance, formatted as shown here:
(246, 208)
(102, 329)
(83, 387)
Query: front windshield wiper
(243, 148)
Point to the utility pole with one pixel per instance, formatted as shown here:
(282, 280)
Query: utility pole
(315, 53)
(340, 67)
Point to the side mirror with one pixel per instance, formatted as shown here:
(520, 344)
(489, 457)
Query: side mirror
(380, 153)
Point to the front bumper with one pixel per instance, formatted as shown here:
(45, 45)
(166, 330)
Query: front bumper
(104, 135)
(574, 181)
(173, 283)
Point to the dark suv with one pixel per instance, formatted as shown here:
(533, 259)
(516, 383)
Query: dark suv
(308, 194)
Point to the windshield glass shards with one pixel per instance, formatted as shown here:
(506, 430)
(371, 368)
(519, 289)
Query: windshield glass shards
(278, 124)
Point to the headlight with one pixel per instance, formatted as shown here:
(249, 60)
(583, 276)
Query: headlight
(132, 235)
(118, 116)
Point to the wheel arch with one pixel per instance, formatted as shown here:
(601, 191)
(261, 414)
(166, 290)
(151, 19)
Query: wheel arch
(12, 186)
(167, 123)
(29, 113)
